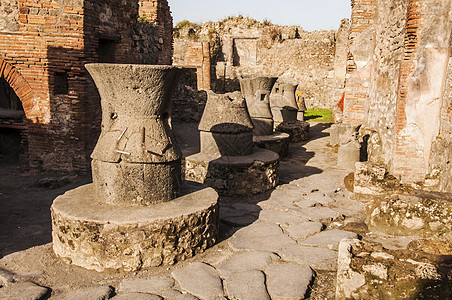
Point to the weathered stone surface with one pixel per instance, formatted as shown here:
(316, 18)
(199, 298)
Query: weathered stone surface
(185, 297)
(348, 281)
(348, 155)
(260, 236)
(319, 198)
(288, 280)
(298, 130)
(329, 238)
(321, 214)
(369, 179)
(112, 188)
(200, 280)
(257, 94)
(235, 175)
(6, 277)
(303, 230)
(277, 142)
(252, 260)
(237, 217)
(170, 294)
(135, 132)
(279, 217)
(317, 258)
(225, 113)
(422, 215)
(282, 101)
(152, 285)
(97, 293)
(247, 285)
(226, 127)
(25, 291)
(134, 296)
(150, 232)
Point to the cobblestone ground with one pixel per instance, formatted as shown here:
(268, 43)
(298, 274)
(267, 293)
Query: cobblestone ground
(280, 245)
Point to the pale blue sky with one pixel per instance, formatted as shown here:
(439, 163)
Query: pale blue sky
(310, 14)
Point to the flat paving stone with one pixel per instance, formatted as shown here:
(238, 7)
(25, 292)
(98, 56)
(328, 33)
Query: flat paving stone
(152, 285)
(170, 294)
(303, 230)
(288, 280)
(329, 238)
(248, 285)
(252, 260)
(199, 279)
(95, 293)
(293, 189)
(306, 203)
(321, 214)
(260, 235)
(317, 258)
(280, 217)
(24, 291)
(319, 198)
(134, 296)
(185, 297)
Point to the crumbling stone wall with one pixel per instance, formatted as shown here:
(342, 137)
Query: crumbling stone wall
(42, 54)
(245, 47)
(397, 70)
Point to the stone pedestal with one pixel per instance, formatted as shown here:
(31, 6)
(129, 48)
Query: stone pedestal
(283, 102)
(228, 161)
(277, 142)
(298, 130)
(235, 175)
(101, 236)
(134, 215)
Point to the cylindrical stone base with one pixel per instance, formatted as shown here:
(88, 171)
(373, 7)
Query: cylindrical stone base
(227, 144)
(298, 131)
(235, 175)
(277, 142)
(135, 184)
(99, 236)
(262, 126)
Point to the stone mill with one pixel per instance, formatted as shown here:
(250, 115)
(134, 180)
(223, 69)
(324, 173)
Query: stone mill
(137, 212)
(228, 160)
(287, 111)
(256, 91)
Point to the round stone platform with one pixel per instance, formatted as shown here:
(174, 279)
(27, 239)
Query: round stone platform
(101, 236)
(298, 131)
(277, 142)
(235, 175)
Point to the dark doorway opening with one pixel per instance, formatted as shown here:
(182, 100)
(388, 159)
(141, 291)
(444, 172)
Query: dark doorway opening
(13, 128)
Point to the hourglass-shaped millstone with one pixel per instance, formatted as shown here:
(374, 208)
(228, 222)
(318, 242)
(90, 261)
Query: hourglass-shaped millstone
(136, 160)
(226, 128)
(256, 91)
(283, 102)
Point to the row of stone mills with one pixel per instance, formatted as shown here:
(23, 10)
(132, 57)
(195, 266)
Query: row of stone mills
(233, 123)
(138, 212)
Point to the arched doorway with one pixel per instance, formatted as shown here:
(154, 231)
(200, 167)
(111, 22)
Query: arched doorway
(13, 128)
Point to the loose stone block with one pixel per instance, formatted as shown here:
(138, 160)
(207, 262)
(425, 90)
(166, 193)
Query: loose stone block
(348, 155)
(329, 238)
(100, 236)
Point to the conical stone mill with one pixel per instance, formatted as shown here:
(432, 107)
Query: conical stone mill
(137, 213)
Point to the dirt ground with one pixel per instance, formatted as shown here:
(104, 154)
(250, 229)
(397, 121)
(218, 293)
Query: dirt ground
(25, 227)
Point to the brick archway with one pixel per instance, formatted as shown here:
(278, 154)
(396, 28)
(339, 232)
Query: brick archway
(19, 84)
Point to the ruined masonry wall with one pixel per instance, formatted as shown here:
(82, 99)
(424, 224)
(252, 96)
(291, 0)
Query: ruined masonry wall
(388, 53)
(49, 41)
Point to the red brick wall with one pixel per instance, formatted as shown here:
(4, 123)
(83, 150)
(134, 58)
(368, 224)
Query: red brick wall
(50, 39)
(357, 93)
(195, 55)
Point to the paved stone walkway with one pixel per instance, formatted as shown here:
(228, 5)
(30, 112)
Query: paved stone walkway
(276, 243)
